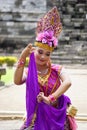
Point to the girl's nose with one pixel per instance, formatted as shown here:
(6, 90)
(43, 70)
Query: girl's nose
(42, 57)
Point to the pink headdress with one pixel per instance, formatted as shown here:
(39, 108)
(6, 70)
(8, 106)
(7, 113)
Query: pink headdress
(48, 38)
(49, 28)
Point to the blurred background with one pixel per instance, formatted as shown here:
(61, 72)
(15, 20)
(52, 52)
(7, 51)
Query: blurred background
(18, 21)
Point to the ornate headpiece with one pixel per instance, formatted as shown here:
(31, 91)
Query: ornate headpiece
(48, 29)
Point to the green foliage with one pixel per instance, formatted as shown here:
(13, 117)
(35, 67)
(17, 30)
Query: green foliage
(27, 61)
(1, 60)
(9, 60)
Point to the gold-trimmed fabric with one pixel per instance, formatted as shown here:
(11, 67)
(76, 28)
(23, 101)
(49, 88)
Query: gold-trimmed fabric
(44, 46)
(44, 79)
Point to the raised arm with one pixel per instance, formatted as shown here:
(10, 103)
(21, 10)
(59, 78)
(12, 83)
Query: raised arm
(18, 75)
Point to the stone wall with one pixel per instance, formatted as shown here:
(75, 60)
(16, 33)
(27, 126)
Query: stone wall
(18, 20)
(73, 39)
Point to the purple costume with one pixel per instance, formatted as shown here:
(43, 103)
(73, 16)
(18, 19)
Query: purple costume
(47, 116)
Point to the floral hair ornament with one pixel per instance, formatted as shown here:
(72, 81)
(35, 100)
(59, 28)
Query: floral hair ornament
(48, 30)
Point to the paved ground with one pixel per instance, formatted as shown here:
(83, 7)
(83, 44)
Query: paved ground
(13, 99)
(15, 125)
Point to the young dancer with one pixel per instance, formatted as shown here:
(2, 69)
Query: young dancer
(46, 83)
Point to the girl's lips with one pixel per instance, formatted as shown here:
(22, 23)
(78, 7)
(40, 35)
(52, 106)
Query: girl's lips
(42, 60)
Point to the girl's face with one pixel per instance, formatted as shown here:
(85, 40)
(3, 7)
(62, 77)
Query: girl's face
(42, 56)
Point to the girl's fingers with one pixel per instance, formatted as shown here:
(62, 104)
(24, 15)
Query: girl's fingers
(29, 45)
(41, 93)
(32, 49)
(39, 99)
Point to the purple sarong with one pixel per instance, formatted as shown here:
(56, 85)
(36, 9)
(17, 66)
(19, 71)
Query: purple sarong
(47, 116)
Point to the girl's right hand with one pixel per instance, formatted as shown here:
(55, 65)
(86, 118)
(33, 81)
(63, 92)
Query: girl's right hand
(42, 97)
(27, 51)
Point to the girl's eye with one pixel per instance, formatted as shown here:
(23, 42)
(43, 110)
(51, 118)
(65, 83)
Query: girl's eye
(40, 52)
(48, 54)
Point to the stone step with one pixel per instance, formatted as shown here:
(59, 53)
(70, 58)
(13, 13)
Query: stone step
(11, 42)
(22, 6)
(21, 16)
(13, 24)
(68, 57)
(62, 62)
(78, 36)
(69, 61)
(67, 31)
(81, 7)
(71, 1)
(16, 28)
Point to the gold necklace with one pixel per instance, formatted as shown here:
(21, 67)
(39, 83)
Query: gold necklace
(44, 79)
(43, 72)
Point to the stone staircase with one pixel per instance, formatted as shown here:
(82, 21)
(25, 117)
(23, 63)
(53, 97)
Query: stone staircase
(18, 20)
(73, 40)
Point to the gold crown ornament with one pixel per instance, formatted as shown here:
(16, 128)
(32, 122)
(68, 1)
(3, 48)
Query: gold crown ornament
(48, 30)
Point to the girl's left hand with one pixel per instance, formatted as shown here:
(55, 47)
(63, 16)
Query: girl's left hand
(43, 98)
